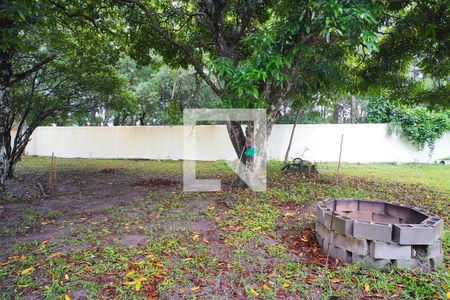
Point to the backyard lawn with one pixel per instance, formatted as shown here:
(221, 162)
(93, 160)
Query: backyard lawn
(125, 229)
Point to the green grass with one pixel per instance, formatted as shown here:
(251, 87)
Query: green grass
(433, 176)
(256, 245)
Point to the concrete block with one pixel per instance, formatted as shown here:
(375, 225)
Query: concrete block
(416, 216)
(382, 250)
(372, 206)
(322, 204)
(319, 228)
(437, 224)
(413, 234)
(323, 232)
(436, 262)
(410, 263)
(408, 214)
(327, 218)
(349, 243)
(342, 224)
(372, 231)
(346, 205)
(438, 229)
(341, 254)
(382, 218)
(319, 213)
(319, 240)
(370, 262)
(435, 250)
(360, 215)
(398, 211)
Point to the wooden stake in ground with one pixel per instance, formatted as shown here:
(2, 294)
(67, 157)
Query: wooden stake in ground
(334, 202)
(286, 157)
(52, 176)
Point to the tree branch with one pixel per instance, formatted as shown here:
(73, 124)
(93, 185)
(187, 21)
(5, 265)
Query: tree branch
(187, 50)
(36, 67)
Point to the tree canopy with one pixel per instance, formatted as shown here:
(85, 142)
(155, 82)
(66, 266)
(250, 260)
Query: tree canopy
(128, 62)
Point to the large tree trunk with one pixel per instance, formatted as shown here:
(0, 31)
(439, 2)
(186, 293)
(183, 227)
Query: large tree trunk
(5, 99)
(353, 110)
(337, 113)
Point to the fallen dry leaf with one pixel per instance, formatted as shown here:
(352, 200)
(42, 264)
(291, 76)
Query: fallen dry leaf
(254, 293)
(26, 271)
(56, 254)
(290, 214)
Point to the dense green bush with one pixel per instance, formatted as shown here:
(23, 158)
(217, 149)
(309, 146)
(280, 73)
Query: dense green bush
(417, 125)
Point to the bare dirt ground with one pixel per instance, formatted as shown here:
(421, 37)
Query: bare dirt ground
(113, 232)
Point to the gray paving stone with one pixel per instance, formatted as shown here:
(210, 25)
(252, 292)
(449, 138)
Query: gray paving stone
(382, 250)
(372, 231)
(413, 234)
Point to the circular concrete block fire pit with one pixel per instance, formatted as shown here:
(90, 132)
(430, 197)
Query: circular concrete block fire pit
(378, 233)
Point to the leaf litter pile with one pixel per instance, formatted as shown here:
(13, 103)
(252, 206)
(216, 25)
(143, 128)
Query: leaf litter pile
(111, 234)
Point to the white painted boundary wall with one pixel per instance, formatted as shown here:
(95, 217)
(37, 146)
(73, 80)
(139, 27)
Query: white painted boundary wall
(363, 143)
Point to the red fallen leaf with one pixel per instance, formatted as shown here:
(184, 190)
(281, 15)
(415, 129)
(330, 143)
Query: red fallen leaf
(159, 265)
(398, 292)
(310, 278)
(378, 295)
(236, 228)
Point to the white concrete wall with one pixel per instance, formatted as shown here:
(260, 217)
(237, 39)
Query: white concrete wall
(363, 143)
